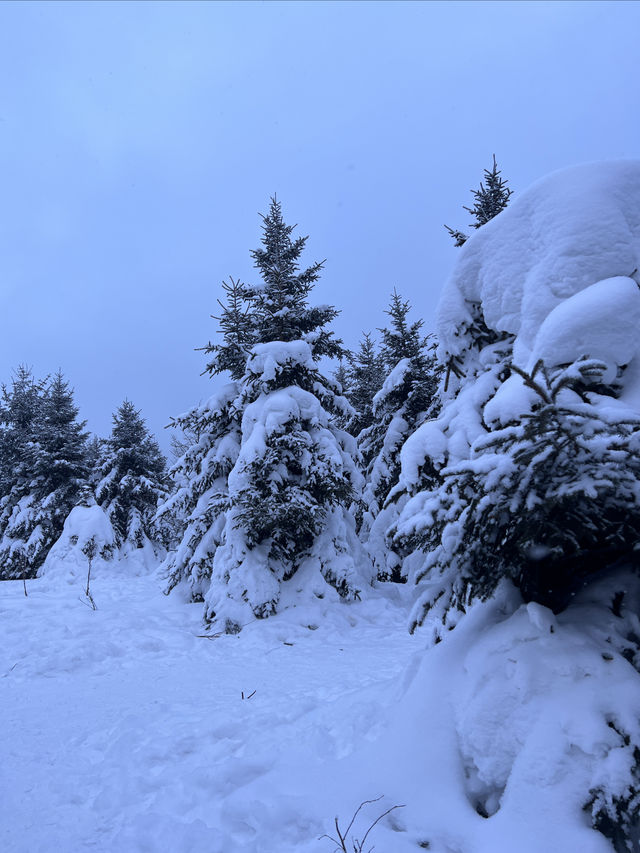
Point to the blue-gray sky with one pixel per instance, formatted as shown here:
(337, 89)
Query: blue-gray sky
(139, 141)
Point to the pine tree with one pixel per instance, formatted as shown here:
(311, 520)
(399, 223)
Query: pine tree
(196, 509)
(488, 201)
(279, 305)
(194, 514)
(236, 326)
(407, 398)
(133, 479)
(51, 470)
(21, 414)
(548, 501)
(365, 375)
(61, 463)
(294, 474)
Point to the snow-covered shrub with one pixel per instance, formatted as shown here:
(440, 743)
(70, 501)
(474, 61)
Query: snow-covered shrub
(67, 557)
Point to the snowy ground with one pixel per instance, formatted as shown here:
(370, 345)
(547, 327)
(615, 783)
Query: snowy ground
(123, 730)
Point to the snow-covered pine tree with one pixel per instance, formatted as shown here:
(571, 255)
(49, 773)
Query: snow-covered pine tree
(407, 398)
(132, 480)
(195, 512)
(21, 415)
(295, 475)
(53, 470)
(548, 501)
(488, 201)
(365, 375)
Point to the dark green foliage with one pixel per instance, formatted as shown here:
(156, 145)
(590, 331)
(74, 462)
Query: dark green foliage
(43, 469)
(133, 477)
(477, 337)
(549, 502)
(21, 413)
(408, 398)
(491, 198)
(292, 475)
(364, 377)
(289, 489)
(488, 201)
(236, 327)
(279, 306)
(61, 461)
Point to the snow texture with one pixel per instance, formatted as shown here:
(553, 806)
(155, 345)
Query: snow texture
(558, 271)
(66, 559)
(115, 736)
(568, 231)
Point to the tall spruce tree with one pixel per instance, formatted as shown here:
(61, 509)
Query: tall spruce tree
(132, 478)
(50, 469)
(407, 398)
(294, 475)
(489, 200)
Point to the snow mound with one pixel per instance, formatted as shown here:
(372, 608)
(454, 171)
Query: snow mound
(568, 231)
(66, 558)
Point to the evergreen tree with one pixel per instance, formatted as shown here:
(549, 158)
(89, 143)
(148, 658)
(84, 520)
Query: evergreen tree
(61, 463)
(342, 378)
(236, 326)
(488, 201)
(366, 373)
(294, 473)
(547, 501)
(407, 398)
(21, 406)
(49, 447)
(133, 479)
(279, 305)
(194, 514)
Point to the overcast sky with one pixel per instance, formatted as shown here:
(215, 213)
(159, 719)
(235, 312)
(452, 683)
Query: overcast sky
(139, 141)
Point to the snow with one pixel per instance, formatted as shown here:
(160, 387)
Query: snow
(124, 729)
(66, 558)
(568, 231)
(127, 729)
(600, 322)
(559, 271)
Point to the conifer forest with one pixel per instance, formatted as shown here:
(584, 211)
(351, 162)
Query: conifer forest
(375, 589)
